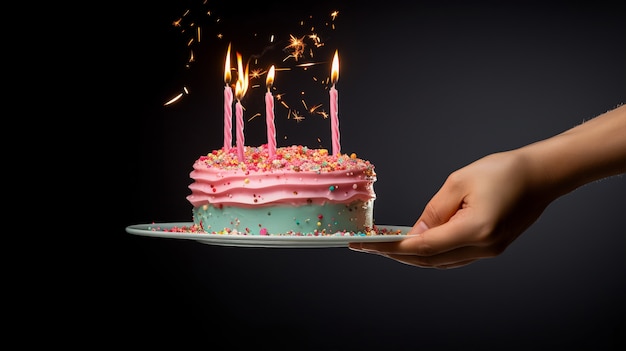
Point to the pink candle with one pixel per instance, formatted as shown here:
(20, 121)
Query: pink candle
(239, 126)
(240, 91)
(269, 115)
(228, 105)
(228, 117)
(334, 118)
(239, 121)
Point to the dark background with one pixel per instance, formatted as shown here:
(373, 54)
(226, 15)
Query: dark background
(424, 89)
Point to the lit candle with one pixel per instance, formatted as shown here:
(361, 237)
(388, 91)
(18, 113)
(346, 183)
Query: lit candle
(334, 119)
(240, 91)
(228, 105)
(239, 120)
(269, 114)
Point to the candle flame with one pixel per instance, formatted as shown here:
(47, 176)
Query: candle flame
(238, 90)
(270, 78)
(334, 77)
(239, 67)
(242, 78)
(227, 76)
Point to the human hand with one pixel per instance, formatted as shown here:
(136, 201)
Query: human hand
(477, 213)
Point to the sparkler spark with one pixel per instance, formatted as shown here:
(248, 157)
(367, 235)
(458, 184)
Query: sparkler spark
(309, 64)
(316, 40)
(204, 24)
(257, 73)
(173, 100)
(177, 97)
(296, 47)
(312, 109)
(297, 116)
(191, 57)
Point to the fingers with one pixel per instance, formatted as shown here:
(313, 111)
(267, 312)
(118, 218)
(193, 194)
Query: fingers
(445, 204)
(442, 206)
(455, 243)
(456, 233)
(409, 260)
(451, 231)
(450, 259)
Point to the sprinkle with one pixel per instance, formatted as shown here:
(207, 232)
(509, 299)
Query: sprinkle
(375, 230)
(297, 158)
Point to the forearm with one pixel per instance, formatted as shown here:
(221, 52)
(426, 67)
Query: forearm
(590, 151)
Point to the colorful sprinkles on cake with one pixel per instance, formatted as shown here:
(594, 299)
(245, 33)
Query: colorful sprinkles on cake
(311, 192)
(295, 157)
(196, 229)
(297, 191)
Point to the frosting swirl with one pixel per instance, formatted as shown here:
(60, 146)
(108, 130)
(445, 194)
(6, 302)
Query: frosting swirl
(295, 175)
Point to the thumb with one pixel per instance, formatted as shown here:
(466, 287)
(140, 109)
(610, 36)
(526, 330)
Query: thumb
(441, 207)
(419, 227)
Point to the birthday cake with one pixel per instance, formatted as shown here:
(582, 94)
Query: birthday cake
(296, 191)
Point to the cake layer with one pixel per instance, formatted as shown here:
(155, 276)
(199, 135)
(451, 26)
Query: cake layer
(296, 176)
(327, 218)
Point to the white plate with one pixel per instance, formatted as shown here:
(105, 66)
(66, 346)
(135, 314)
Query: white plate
(281, 241)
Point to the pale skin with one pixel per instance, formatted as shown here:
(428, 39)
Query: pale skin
(483, 207)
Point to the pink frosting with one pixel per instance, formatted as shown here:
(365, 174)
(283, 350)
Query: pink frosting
(296, 175)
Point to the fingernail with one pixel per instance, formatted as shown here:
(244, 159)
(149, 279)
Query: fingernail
(355, 247)
(421, 227)
(359, 248)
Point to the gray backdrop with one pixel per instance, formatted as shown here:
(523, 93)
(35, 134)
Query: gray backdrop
(424, 89)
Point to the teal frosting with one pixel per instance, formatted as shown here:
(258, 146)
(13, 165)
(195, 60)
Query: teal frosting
(328, 218)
